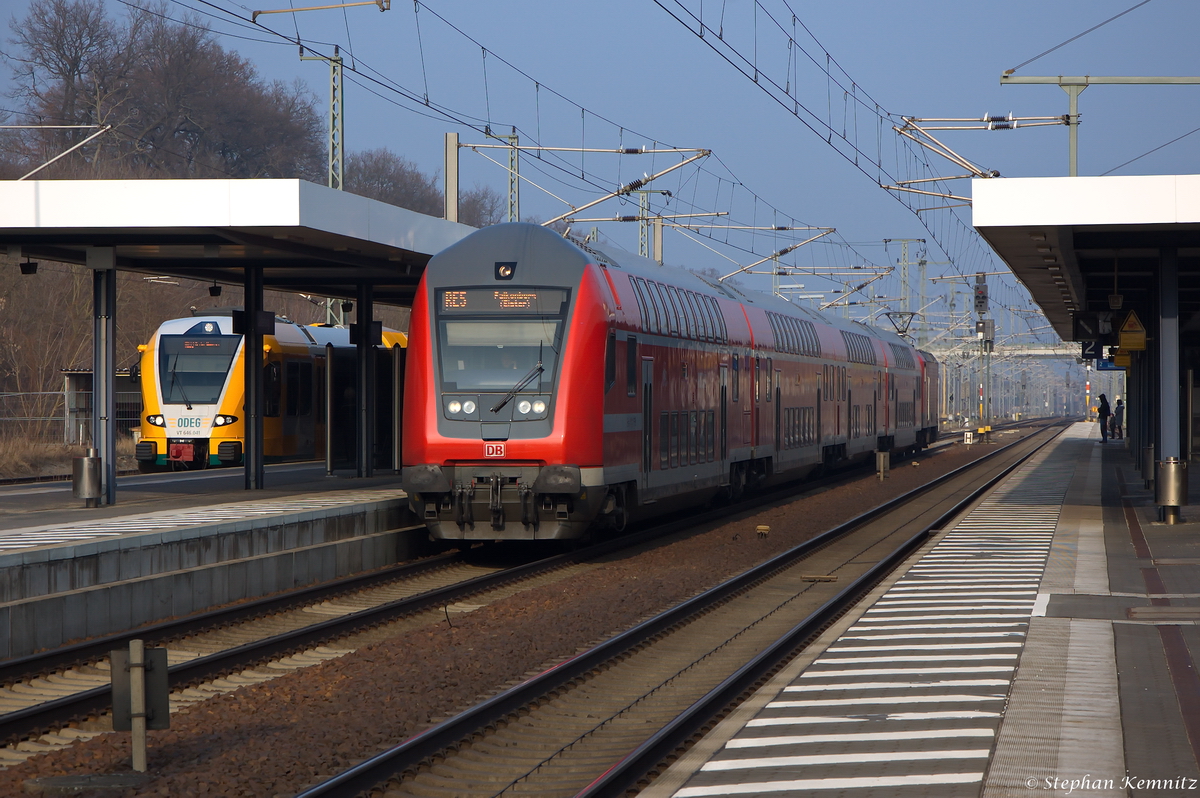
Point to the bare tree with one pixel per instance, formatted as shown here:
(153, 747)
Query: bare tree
(180, 104)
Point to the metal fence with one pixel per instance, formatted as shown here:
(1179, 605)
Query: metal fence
(62, 416)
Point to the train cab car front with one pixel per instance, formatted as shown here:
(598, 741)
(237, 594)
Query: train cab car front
(502, 394)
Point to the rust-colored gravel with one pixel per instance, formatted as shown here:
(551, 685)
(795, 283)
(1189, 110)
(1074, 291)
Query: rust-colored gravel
(275, 738)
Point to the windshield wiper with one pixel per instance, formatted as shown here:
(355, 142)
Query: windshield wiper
(175, 379)
(528, 378)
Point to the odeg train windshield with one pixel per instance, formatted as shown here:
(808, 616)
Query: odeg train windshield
(491, 339)
(192, 368)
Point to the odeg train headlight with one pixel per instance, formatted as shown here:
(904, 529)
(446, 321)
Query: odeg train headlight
(157, 421)
(221, 421)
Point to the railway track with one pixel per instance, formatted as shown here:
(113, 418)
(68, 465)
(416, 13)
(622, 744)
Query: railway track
(569, 730)
(62, 695)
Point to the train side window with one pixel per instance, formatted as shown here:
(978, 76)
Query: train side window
(664, 441)
(842, 383)
(722, 333)
(677, 305)
(272, 389)
(770, 378)
(292, 386)
(757, 392)
(671, 322)
(610, 360)
(641, 301)
(736, 378)
(693, 439)
(674, 439)
(631, 365)
(701, 329)
(306, 390)
(711, 437)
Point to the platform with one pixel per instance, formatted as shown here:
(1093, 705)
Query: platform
(1043, 646)
(180, 546)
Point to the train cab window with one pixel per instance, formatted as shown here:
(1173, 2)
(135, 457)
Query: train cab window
(489, 340)
(631, 366)
(193, 368)
(736, 378)
(610, 360)
(272, 390)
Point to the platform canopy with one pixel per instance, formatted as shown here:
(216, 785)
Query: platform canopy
(1066, 238)
(307, 238)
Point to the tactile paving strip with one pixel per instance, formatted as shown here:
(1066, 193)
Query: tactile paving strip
(31, 537)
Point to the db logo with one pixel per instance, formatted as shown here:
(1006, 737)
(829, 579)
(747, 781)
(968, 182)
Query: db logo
(493, 450)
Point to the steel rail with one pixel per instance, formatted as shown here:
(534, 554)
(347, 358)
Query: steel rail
(633, 768)
(409, 754)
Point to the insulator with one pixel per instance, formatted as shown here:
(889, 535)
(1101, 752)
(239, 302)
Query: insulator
(629, 218)
(632, 151)
(998, 118)
(634, 186)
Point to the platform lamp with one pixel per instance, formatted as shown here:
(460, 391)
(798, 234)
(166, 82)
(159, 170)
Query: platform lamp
(214, 289)
(29, 266)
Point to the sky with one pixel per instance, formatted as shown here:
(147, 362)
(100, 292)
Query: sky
(633, 73)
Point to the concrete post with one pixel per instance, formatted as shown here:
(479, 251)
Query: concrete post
(450, 189)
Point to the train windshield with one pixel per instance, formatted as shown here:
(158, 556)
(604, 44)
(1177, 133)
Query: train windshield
(192, 368)
(490, 342)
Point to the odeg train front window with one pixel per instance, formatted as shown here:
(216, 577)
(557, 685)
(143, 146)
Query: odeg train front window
(192, 368)
(490, 339)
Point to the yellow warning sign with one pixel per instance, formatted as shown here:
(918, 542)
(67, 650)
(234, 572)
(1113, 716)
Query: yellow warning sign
(1132, 334)
(1122, 360)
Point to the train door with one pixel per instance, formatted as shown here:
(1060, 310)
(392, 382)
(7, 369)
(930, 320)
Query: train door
(647, 419)
(724, 412)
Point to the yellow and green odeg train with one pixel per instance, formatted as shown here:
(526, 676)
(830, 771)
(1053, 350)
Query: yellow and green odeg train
(193, 395)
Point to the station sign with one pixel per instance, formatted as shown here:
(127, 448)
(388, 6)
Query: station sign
(1109, 365)
(1132, 333)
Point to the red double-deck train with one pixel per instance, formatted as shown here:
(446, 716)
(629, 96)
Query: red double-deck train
(551, 385)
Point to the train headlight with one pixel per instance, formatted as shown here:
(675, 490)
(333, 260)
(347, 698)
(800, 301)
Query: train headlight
(524, 406)
(221, 421)
(157, 421)
(454, 407)
(539, 407)
(468, 407)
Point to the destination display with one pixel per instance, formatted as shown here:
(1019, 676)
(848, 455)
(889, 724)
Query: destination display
(492, 300)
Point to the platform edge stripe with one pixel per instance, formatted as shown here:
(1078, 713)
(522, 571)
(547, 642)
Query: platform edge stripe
(912, 780)
(844, 759)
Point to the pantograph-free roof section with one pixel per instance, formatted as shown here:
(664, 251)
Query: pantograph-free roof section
(307, 238)
(1067, 238)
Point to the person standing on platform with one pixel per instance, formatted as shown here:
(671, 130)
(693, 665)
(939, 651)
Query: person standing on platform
(1118, 420)
(1102, 414)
